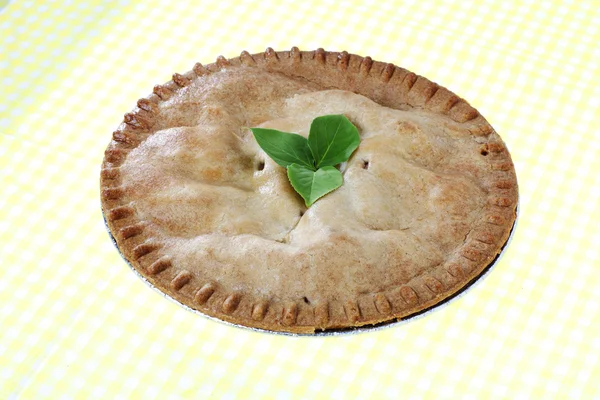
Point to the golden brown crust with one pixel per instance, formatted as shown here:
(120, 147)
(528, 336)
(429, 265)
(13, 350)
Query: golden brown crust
(387, 85)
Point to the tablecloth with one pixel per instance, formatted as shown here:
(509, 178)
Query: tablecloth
(76, 322)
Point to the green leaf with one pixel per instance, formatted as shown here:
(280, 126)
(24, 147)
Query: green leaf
(284, 148)
(311, 162)
(332, 139)
(312, 185)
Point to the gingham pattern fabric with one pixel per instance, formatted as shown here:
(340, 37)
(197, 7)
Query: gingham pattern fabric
(76, 322)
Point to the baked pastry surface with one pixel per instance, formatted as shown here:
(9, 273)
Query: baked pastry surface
(193, 203)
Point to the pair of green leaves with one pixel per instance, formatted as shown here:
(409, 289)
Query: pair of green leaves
(311, 162)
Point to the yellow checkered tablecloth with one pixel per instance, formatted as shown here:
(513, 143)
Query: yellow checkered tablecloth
(77, 322)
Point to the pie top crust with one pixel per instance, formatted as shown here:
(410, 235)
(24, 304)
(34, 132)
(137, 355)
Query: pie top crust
(193, 203)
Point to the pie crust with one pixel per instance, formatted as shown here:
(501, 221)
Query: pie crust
(428, 201)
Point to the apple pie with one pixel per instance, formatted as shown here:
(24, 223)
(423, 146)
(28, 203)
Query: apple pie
(199, 210)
